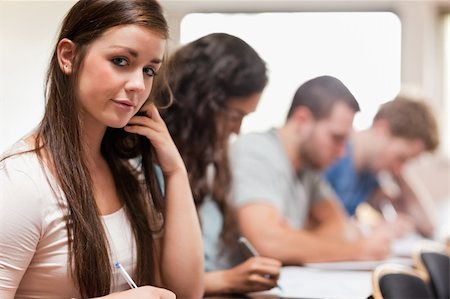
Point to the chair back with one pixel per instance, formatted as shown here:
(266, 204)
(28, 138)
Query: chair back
(391, 281)
(433, 261)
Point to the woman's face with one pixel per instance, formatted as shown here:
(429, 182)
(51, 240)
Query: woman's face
(117, 73)
(236, 109)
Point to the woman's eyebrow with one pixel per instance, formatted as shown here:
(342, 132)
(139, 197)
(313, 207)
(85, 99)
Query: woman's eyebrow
(129, 50)
(135, 54)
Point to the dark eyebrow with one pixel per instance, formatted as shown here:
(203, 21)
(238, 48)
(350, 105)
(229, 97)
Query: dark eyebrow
(131, 51)
(135, 54)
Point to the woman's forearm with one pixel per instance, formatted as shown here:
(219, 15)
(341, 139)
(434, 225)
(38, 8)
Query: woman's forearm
(182, 252)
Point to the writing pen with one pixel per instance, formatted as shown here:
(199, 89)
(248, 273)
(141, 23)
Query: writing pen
(388, 211)
(125, 275)
(250, 251)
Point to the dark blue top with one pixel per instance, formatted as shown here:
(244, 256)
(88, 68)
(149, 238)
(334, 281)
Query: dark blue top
(351, 186)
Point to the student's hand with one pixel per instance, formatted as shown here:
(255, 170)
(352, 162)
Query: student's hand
(403, 225)
(153, 127)
(145, 292)
(374, 247)
(253, 275)
(400, 227)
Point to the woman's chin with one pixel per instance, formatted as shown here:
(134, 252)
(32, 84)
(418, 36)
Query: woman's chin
(117, 124)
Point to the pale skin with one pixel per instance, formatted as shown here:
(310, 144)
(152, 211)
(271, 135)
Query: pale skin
(329, 235)
(115, 80)
(256, 273)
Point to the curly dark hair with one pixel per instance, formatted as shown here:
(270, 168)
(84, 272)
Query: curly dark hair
(203, 76)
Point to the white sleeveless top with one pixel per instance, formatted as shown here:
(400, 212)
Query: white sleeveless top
(33, 234)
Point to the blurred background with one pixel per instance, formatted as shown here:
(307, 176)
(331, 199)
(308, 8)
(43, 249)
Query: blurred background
(377, 48)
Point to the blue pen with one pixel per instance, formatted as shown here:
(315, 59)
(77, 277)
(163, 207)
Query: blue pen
(125, 275)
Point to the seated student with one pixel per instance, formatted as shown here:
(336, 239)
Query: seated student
(284, 207)
(71, 202)
(401, 130)
(216, 81)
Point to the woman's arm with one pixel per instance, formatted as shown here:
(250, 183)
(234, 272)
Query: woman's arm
(20, 228)
(254, 275)
(182, 251)
(182, 246)
(145, 292)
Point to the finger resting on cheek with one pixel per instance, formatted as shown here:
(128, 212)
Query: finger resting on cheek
(131, 128)
(140, 120)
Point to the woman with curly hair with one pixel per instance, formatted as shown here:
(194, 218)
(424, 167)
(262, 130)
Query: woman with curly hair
(216, 81)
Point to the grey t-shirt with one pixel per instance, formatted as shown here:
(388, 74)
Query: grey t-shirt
(262, 173)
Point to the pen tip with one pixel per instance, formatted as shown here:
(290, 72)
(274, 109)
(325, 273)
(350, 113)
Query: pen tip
(117, 265)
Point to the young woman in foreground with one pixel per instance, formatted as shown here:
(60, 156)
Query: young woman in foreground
(80, 193)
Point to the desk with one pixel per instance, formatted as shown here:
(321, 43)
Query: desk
(338, 280)
(318, 281)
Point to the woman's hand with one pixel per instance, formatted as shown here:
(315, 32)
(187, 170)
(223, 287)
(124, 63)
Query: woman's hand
(253, 275)
(153, 127)
(145, 292)
(181, 273)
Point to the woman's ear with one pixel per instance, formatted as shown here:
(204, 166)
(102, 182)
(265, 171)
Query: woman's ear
(66, 54)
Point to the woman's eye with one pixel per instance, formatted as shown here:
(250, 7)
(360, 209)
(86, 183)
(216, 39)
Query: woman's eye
(149, 71)
(120, 61)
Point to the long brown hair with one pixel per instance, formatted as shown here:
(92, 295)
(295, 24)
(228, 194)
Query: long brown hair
(59, 134)
(203, 75)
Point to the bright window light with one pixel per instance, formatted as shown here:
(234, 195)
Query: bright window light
(362, 49)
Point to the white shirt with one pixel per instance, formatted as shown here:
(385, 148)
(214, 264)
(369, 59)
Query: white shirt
(33, 234)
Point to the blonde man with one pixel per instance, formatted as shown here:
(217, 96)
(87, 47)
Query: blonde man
(402, 129)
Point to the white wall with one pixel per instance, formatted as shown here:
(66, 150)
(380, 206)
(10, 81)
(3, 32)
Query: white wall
(27, 33)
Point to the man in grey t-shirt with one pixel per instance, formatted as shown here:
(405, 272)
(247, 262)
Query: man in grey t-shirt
(283, 205)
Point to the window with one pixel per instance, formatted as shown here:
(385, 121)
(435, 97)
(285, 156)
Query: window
(362, 49)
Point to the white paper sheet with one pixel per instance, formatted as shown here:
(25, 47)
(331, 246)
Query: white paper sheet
(302, 282)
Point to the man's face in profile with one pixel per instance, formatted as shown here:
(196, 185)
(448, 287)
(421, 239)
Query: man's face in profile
(327, 138)
(396, 152)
